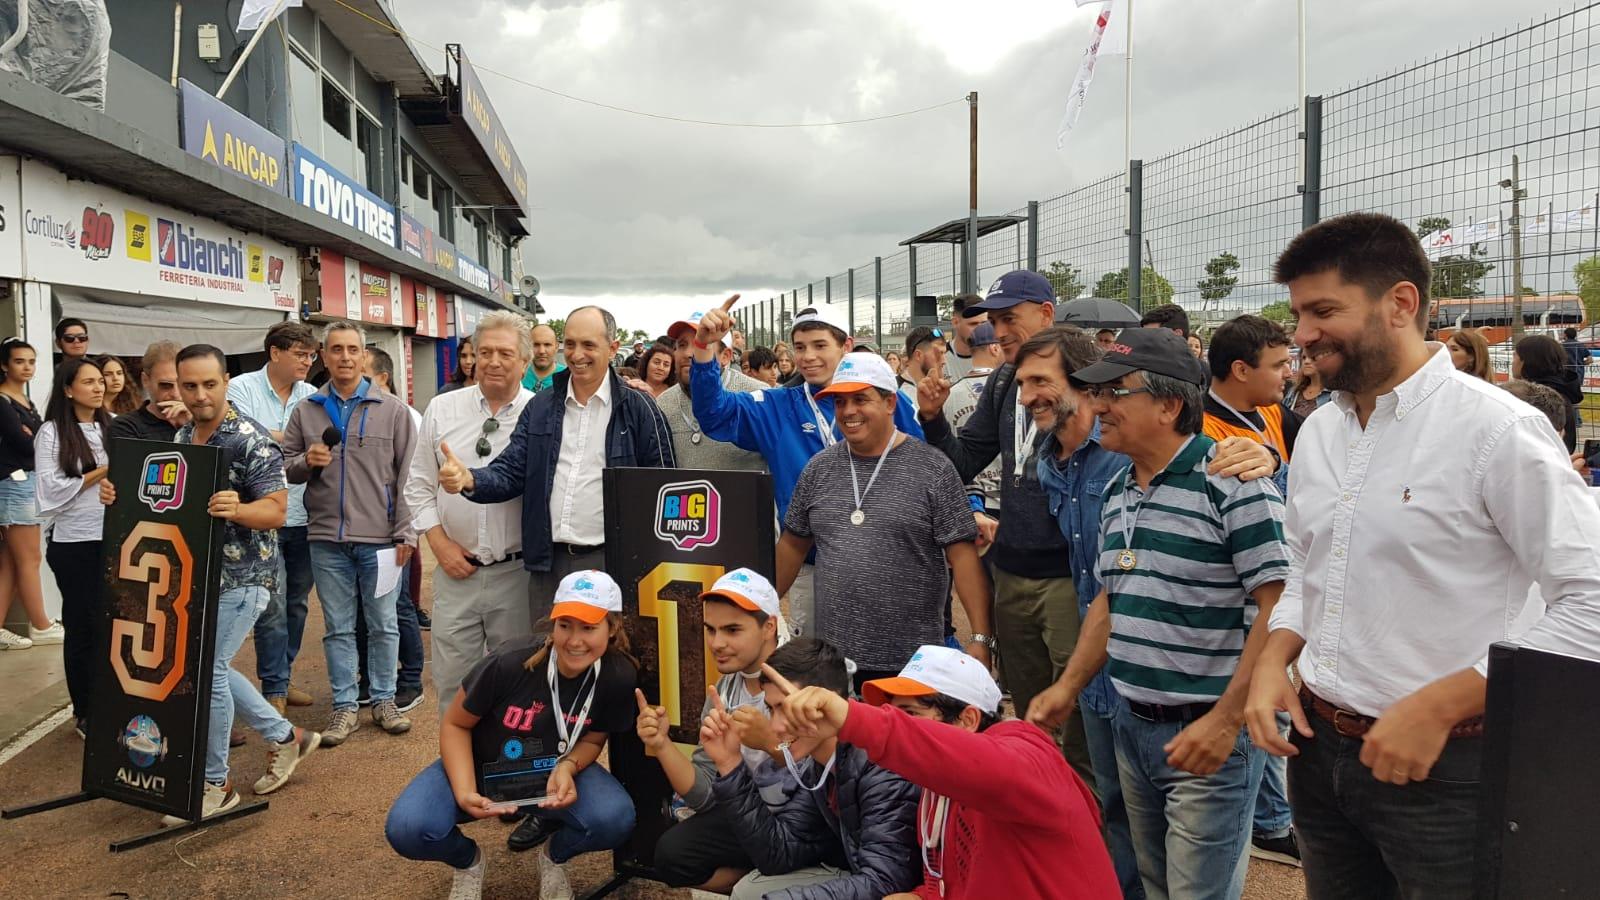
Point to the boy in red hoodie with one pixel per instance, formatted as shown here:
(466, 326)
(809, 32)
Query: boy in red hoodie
(1002, 814)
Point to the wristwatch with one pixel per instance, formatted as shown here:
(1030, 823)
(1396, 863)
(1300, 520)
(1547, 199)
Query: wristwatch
(984, 639)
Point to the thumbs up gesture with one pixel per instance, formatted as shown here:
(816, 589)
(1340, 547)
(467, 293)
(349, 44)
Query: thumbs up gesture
(454, 476)
(713, 327)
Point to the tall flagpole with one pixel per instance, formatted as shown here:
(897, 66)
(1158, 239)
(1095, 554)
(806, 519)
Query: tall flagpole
(1300, 97)
(1127, 94)
(261, 29)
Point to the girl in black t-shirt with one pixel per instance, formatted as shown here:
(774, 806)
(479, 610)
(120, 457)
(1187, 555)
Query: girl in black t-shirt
(529, 723)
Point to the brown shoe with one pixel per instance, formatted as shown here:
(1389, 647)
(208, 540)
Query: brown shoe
(236, 738)
(298, 697)
(280, 704)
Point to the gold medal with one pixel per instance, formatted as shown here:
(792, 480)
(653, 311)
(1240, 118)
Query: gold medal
(1126, 560)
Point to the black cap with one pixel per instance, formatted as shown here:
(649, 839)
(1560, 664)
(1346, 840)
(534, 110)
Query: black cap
(1157, 350)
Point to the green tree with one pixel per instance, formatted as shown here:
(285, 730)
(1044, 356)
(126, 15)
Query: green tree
(1154, 287)
(1067, 280)
(1278, 312)
(559, 326)
(1456, 275)
(1219, 280)
(1587, 272)
(947, 307)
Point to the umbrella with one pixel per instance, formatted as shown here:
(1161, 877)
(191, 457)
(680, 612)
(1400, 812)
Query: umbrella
(1096, 312)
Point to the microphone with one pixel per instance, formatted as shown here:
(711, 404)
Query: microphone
(331, 437)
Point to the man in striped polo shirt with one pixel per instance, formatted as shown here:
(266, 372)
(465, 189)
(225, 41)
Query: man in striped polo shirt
(1188, 561)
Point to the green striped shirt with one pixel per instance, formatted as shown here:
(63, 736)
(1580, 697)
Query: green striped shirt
(1201, 544)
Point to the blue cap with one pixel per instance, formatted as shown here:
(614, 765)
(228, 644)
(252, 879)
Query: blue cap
(983, 335)
(1021, 286)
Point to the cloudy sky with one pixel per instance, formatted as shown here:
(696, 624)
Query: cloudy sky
(653, 218)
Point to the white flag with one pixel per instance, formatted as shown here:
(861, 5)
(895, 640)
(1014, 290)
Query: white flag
(1479, 232)
(256, 13)
(1116, 39)
(1442, 243)
(1575, 219)
(1080, 84)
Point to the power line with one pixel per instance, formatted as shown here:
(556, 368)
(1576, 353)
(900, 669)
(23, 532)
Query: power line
(660, 116)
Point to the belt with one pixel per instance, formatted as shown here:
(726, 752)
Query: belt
(1353, 725)
(576, 549)
(507, 558)
(1155, 712)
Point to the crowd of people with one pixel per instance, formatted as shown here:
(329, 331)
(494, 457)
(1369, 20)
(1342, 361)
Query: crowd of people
(1152, 538)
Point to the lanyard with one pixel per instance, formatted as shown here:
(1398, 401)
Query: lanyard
(788, 760)
(1024, 442)
(1127, 558)
(857, 516)
(1247, 423)
(566, 740)
(694, 426)
(933, 817)
(824, 427)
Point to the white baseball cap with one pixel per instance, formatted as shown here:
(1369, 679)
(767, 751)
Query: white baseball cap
(746, 589)
(692, 324)
(935, 669)
(587, 595)
(823, 314)
(859, 371)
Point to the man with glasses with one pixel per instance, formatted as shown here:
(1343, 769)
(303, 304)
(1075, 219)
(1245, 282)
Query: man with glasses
(72, 339)
(480, 589)
(268, 396)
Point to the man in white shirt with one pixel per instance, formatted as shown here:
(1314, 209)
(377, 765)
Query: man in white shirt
(962, 348)
(1465, 497)
(480, 588)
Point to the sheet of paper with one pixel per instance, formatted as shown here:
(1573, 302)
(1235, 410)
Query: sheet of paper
(388, 571)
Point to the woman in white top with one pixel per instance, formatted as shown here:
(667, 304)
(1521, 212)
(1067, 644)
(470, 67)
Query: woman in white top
(69, 462)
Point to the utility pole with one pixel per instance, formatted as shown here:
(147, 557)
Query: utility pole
(1514, 183)
(970, 280)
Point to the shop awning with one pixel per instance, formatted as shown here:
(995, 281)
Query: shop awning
(125, 324)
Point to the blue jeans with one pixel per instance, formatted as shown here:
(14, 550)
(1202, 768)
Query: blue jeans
(1190, 832)
(1272, 816)
(410, 641)
(424, 823)
(1361, 838)
(237, 610)
(1103, 756)
(346, 576)
(281, 626)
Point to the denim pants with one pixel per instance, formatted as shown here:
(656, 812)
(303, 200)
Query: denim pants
(347, 576)
(1190, 832)
(1272, 816)
(281, 626)
(1362, 838)
(424, 823)
(237, 610)
(1113, 813)
(411, 658)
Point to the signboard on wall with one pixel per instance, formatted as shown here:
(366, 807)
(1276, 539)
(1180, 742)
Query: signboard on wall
(221, 135)
(361, 292)
(146, 739)
(472, 273)
(321, 188)
(431, 306)
(472, 104)
(10, 218)
(88, 235)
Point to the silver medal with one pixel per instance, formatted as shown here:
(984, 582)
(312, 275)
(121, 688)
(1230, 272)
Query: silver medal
(857, 517)
(694, 438)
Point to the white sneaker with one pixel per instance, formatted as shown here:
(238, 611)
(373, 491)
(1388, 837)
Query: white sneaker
(553, 883)
(468, 883)
(54, 634)
(10, 640)
(219, 798)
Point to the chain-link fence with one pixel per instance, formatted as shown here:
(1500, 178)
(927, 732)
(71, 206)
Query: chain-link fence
(1491, 152)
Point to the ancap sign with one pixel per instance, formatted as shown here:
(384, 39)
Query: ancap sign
(221, 135)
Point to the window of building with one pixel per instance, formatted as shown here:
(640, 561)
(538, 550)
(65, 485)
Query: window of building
(441, 211)
(369, 151)
(340, 127)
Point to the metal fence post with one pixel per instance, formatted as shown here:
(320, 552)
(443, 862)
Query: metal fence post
(911, 267)
(1135, 234)
(827, 291)
(811, 296)
(877, 303)
(1033, 235)
(850, 279)
(1311, 191)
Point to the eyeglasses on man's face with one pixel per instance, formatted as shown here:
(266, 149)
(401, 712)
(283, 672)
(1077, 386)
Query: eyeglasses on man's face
(1108, 393)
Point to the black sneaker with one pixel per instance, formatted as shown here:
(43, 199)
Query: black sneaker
(364, 696)
(424, 621)
(1284, 849)
(407, 698)
(531, 833)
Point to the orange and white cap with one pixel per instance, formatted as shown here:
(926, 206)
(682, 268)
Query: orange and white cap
(746, 589)
(587, 595)
(691, 325)
(935, 669)
(857, 372)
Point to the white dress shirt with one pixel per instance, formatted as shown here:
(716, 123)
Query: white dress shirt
(72, 513)
(489, 532)
(1465, 496)
(577, 505)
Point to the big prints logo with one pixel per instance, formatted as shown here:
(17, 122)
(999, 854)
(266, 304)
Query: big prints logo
(96, 233)
(141, 738)
(161, 486)
(689, 514)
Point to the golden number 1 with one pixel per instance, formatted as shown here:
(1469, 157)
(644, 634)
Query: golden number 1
(665, 611)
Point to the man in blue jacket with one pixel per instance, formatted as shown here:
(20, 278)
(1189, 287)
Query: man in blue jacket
(786, 425)
(588, 421)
